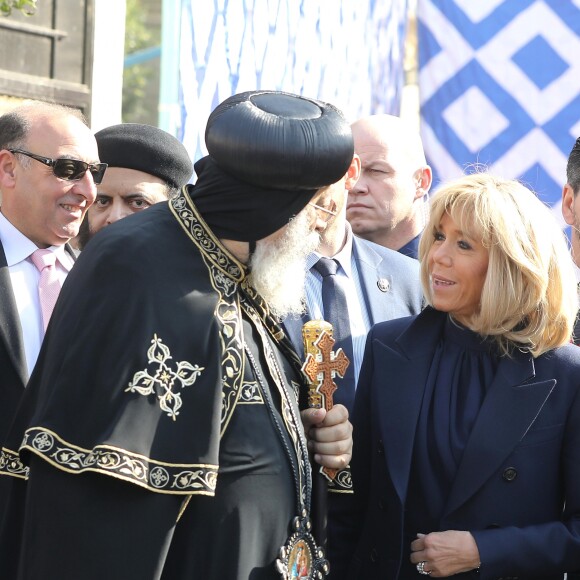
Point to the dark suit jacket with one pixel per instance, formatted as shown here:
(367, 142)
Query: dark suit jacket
(13, 368)
(376, 264)
(517, 488)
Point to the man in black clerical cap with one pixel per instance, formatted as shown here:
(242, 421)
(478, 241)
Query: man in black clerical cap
(167, 441)
(147, 165)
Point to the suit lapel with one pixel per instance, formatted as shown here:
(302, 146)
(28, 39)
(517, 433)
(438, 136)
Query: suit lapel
(71, 251)
(10, 329)
(510, 407)
(406, 368)
(377, 301)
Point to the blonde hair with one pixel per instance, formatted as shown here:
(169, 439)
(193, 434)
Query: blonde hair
(529, 298)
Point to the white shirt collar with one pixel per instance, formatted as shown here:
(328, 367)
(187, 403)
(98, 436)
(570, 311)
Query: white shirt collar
(343, 257)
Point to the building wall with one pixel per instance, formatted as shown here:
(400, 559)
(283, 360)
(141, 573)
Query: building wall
(48, 56)
(107, 77)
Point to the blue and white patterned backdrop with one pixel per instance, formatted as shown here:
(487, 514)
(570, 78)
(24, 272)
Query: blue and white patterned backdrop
(346, 52)
(500, 86)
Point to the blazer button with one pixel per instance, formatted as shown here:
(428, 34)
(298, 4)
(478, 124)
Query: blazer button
(510, 474)
(374, 555)
(380, 448)
(382, 505)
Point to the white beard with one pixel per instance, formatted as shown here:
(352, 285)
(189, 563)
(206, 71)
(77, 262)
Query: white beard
(278, 267)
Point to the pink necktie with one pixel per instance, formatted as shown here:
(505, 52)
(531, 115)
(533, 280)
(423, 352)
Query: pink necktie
(49, 284)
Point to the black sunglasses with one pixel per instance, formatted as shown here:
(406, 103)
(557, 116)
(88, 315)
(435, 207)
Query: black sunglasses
(68, 169)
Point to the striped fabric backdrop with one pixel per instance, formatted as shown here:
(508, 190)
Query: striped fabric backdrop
(347, 52)
(500, 86)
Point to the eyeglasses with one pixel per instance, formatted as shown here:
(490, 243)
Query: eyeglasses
(327, 213)
(68, 169)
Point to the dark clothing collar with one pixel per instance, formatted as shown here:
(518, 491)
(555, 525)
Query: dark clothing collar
(411, 248)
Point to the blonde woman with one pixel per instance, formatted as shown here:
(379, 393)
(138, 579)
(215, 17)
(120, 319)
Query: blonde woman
(467, 416)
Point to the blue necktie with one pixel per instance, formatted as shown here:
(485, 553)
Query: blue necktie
(336, 313)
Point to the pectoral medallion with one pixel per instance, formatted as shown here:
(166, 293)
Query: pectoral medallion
(300, 556)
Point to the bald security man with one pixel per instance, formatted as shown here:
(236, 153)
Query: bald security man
(389, 204)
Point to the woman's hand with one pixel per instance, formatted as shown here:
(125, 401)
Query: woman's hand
(329, 436)
(445, 553)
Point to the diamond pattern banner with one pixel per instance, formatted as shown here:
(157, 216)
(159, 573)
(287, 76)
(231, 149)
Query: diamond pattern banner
(500, 88)
(346, 52)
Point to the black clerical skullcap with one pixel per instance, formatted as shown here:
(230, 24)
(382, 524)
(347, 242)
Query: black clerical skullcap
(280, 140)
(145, 148)
(269, 152)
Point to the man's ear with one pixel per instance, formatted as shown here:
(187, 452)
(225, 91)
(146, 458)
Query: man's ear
(7, 167)
(568, 210)
(423, 180)
(353, 172)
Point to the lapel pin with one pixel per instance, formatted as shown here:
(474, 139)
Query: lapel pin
(383, 284)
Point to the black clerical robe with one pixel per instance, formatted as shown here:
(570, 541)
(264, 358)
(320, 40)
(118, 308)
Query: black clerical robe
(161, 428)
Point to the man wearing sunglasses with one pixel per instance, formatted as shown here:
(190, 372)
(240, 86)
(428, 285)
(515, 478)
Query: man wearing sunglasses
(146, 165)
(49, 165)
(168, 441)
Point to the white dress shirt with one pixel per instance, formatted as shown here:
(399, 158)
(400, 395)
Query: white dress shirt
(24, 277)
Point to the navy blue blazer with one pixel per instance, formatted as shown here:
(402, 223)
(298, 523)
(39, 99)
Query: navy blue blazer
(517, 488)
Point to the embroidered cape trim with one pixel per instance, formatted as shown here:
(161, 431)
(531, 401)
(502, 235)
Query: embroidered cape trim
(225, 274)
(342, 483)
(10, 464)
(138, 469)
